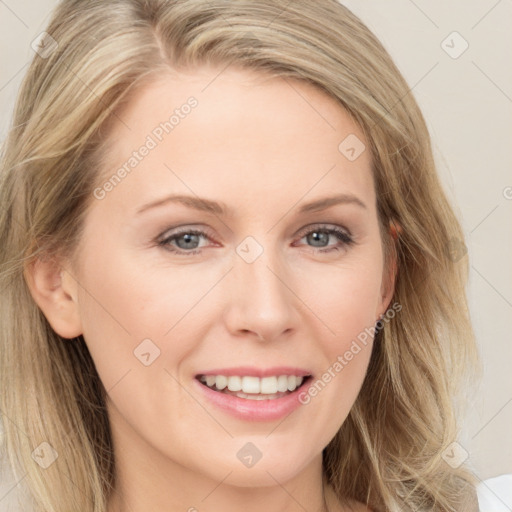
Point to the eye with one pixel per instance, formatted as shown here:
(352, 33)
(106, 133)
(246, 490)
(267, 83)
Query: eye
(186, 242)
(319, 236)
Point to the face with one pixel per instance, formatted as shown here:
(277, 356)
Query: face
(244, 276)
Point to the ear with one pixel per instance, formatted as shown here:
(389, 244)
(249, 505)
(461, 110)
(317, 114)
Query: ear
(55, 291)
(388, 281)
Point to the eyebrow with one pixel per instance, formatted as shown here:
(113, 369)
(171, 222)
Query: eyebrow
(217, 208)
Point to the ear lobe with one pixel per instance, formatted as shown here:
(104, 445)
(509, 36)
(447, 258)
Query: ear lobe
(55, 292)
(388, 283)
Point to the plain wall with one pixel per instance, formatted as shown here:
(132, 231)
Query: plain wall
(467, 102)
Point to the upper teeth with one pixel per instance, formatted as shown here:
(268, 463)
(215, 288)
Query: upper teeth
(249, 384)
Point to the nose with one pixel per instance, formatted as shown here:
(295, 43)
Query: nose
(261, 299)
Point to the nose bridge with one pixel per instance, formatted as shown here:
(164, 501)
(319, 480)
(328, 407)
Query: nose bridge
(261, 300)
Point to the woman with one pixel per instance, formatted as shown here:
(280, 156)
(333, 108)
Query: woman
(227, 267)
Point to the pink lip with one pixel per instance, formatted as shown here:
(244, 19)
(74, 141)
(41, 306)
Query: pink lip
(257, 372)
(254, 410)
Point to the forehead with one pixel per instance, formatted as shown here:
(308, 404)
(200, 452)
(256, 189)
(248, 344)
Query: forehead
(239, 133)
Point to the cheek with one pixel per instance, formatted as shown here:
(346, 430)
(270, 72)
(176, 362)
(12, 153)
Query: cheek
(125, 301)
(135, 298)
(137, 326)
(118, 311)
(346, 298)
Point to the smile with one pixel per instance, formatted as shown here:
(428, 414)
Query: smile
(263, 402)
(254, 388)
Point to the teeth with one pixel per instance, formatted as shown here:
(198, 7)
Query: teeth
(282, 383)
(220, 382)
(248, 385)
(269, 385)
(235, 383)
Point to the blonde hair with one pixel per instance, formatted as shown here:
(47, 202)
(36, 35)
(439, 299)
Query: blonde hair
(388, 452)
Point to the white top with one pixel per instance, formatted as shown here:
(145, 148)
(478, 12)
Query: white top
(495, 494)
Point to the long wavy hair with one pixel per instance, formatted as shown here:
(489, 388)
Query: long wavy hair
(388, 452)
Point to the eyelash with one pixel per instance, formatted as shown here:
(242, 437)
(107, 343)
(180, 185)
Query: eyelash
(341, 235)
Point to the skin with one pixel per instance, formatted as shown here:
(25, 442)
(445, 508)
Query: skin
(263, 147)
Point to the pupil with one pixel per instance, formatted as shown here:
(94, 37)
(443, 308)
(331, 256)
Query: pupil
(188, 239)
(319, 236)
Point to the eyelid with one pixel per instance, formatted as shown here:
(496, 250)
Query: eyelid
(187, 228)
(345, 238)
(323, 226)
(190, 228)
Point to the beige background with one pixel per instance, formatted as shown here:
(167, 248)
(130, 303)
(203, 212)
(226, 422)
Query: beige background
(467, 102)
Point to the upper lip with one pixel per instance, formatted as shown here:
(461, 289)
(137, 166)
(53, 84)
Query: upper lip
(257, 372)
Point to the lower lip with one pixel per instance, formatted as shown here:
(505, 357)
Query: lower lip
(255, 410)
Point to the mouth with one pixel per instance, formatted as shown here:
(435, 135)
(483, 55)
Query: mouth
(255, 388)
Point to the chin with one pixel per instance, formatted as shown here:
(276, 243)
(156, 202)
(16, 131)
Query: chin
(275, 465)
